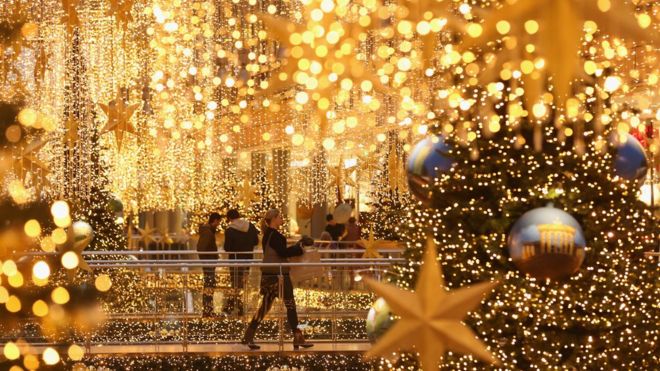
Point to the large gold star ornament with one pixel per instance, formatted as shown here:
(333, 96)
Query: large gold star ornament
(119, 117)
(341, 176)
(147, 235)
(247, 193)
(70, 17)
(431, 317)
(372, 245)
(121, 11)
(71, 134)
(79, 236)
(28, 158)
(558, 26)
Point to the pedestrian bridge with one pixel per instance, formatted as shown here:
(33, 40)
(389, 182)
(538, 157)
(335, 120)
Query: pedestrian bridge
(155, 305)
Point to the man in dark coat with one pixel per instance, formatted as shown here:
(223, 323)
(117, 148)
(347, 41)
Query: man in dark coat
(206, 243)
(241, 236)
(336, 230)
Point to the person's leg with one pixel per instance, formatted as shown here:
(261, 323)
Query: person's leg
(292, 315)
(290, 304)
(266, 303)
(207, 293)
(230, 300)
(240, 284)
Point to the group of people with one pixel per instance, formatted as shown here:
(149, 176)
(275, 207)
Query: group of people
(240, 238)
(337, 232)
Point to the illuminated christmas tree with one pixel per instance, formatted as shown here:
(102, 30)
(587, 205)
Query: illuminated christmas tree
(389, 197)
(86, 183)
(599, 310)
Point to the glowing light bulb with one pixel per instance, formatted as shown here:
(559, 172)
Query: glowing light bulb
(103, 282)
(76, 352)
(41, 270)
(32, 228)
(59, 209)
(70, 260)
(612, 84)
(50, 356)
(11, 351)
(60, 295)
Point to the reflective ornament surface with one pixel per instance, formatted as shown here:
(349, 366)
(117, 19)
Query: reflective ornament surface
(630, 161)
(547, 242)
(379, 319)
(427, 159)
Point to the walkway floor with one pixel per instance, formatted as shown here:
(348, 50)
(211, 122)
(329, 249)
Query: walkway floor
(222, 348)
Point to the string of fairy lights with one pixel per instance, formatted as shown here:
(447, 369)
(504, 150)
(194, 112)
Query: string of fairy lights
(206, 104)
(209, 74)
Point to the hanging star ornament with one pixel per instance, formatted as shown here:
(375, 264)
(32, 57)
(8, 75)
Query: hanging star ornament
(341, 176)
(28, 158)
(431, 317)
(395, 172)
(70, 17)
(327, 67)
(119, 117)
(559, 29)
(147, 235)
(247, 193)
(121, 10)
(79, 236)
(368, 161)
(71, 132)
(372, 245)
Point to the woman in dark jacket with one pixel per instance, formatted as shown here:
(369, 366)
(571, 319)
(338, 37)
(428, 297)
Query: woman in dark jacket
(276, 251)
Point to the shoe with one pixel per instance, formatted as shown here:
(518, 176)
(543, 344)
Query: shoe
(251, 345)
(299, 340)
(248, 338)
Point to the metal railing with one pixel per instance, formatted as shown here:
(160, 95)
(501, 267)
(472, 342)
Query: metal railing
(166, 290)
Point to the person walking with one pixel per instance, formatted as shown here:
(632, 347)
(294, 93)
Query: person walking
(241, 237)
(353, 232)
(336, 230)
(206, 243)
(276, 251)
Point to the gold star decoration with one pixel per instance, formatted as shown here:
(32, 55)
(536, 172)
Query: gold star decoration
(28, 155)
(560, 27)
(77, 246)
(29, 159)
(367, 161)
(332, 65)
(247, 193)
(41, 64)
(71, 132)
(395, 171)
(119, 117)
(166, 239)
(372, 245)
(431, 317)
(341, 176)
(121, 10)
(147, 235)
(70, 17)
(434, 17)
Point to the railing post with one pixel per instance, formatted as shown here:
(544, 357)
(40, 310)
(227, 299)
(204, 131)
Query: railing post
(280, 288)
(333, 313)
(185, 310)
